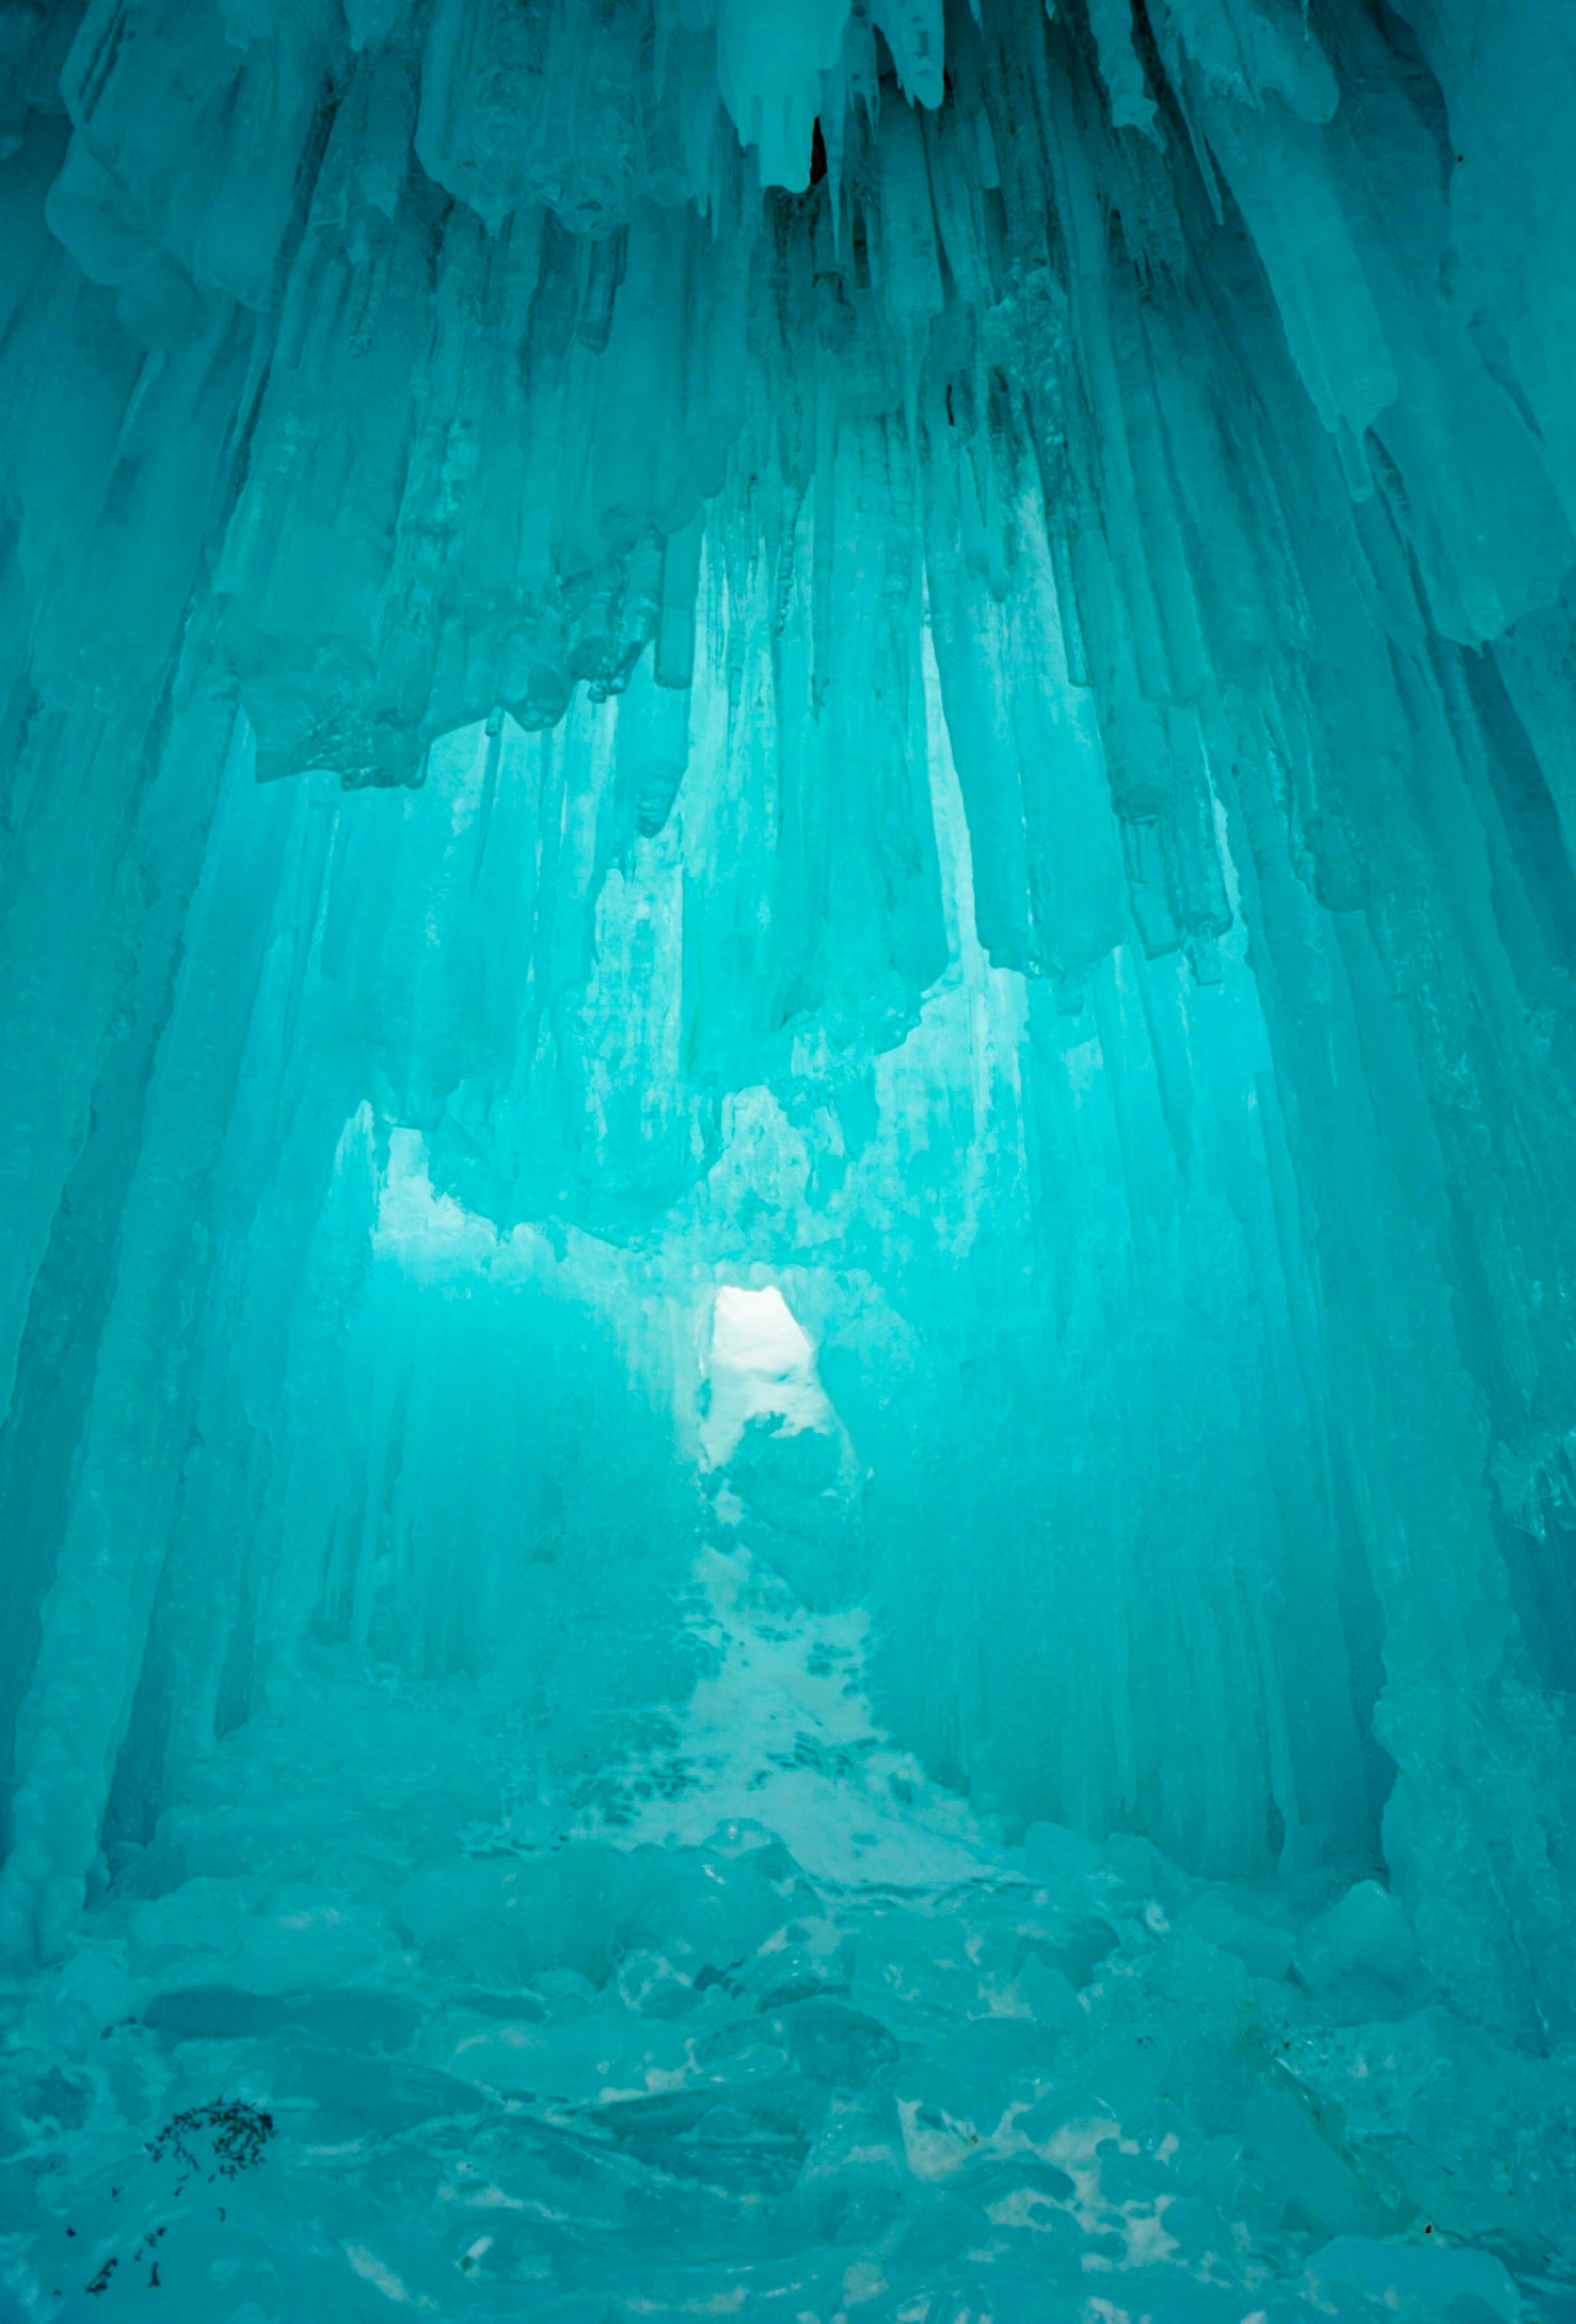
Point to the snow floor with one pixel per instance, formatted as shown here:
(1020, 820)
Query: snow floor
(393, 2013)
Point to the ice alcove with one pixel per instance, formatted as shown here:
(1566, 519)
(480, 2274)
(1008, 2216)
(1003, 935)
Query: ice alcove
(787, 1266)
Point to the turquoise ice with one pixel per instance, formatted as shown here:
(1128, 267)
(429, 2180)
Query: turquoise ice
(787, 1261)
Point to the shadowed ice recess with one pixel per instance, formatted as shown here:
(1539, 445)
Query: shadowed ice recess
(787, 1127)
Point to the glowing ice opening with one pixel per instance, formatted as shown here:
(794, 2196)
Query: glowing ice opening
(757, 1332)
(758, 1360)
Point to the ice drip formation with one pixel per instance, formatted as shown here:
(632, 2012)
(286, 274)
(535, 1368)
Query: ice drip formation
(789, 1089)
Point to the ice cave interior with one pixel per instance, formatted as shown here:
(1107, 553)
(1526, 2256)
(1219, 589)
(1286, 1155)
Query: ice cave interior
(788, 1161)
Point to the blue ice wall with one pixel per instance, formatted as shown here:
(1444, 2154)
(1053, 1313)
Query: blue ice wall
(922, 656)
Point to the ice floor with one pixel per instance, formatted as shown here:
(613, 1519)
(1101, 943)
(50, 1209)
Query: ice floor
(398, 2015)
(922, 652)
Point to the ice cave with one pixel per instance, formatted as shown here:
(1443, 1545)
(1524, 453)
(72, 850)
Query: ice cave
(788, 1161)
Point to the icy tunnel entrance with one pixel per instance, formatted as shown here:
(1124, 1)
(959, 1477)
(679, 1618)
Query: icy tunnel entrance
(787, 1412)
(759, 1360)
(570, 1874)
(573, 1877)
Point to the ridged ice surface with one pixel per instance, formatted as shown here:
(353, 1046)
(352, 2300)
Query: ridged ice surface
(787, 957)
(754, 2021)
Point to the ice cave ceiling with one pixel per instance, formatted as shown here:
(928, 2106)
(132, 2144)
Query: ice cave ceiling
(788, 925)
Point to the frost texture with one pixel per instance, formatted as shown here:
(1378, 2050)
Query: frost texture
(922, 657)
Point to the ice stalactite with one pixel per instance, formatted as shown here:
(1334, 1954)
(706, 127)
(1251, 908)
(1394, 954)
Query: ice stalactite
(918, 655)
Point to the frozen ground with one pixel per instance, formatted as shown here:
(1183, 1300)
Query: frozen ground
(397, 2015)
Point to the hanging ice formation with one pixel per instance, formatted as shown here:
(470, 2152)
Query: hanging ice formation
(913, 663)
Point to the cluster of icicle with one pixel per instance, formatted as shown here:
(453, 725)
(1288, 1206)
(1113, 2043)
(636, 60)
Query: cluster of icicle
(1179, 360)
